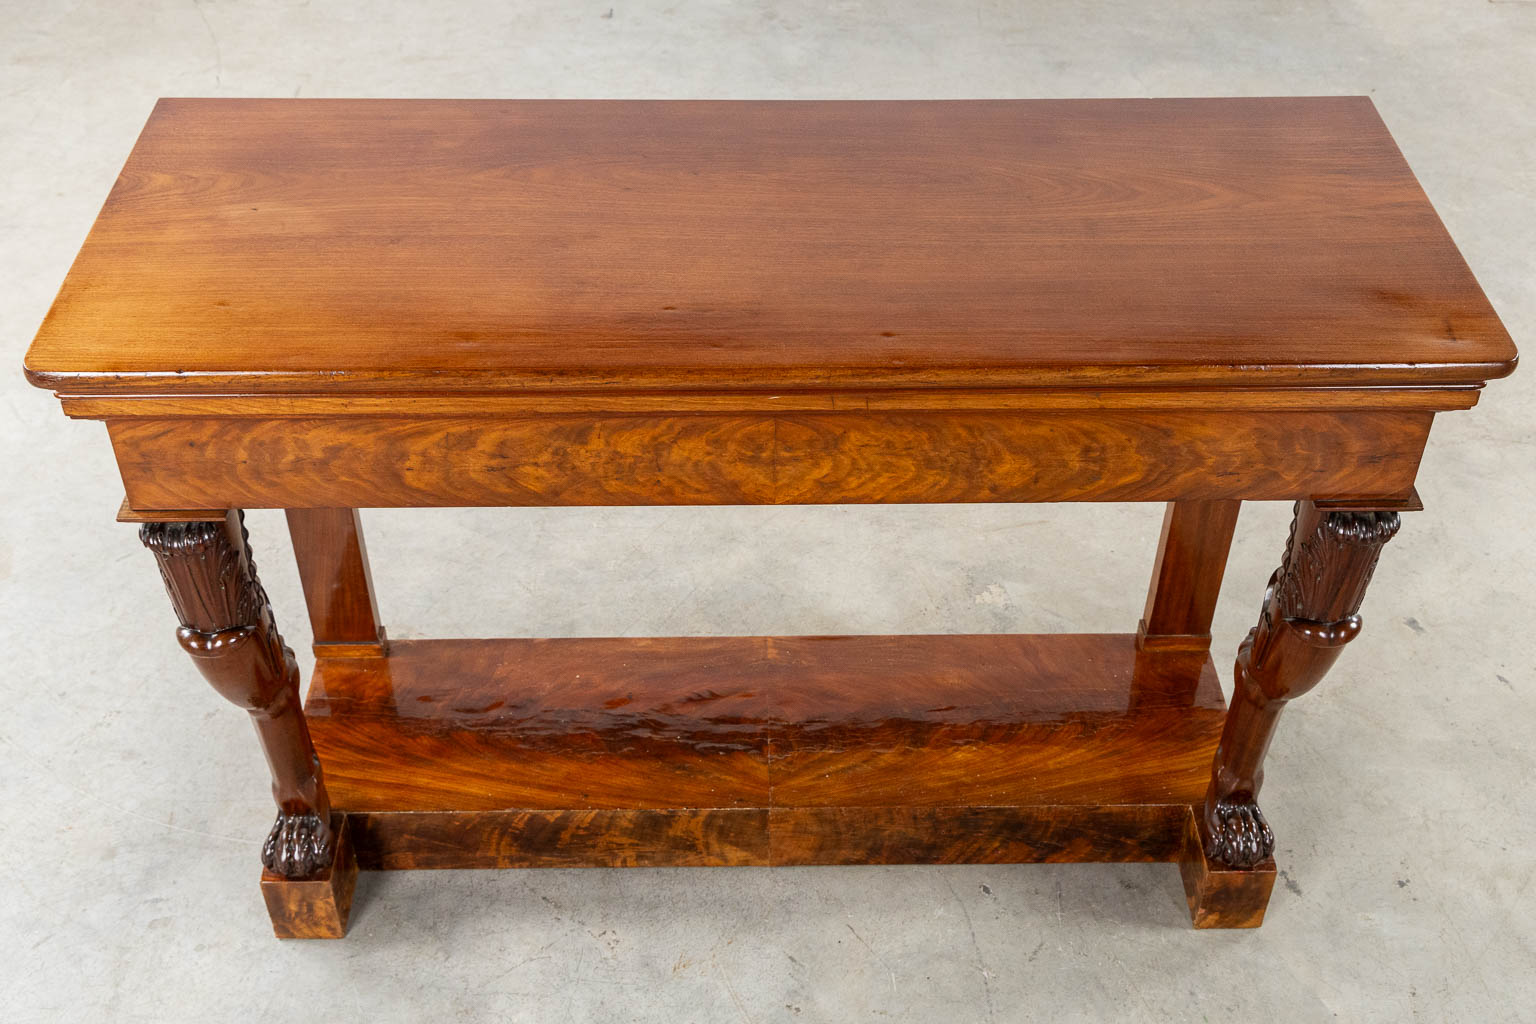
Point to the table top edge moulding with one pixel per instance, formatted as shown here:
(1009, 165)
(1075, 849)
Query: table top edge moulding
(442, 248)
(329, 305)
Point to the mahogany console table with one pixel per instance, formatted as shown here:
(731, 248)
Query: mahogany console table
(323, 306)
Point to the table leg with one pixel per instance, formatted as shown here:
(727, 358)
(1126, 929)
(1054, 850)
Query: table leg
(1175, 630)
(338, 588)
(1191, 558)
(1311, 610)
(228, 628)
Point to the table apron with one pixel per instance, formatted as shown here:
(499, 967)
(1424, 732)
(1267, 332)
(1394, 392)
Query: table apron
(767, 458)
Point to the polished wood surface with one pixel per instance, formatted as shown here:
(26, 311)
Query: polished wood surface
(1247, 398)
(695, 837)
(1186, 578)
(230, 630)
(1311, 610)
(852, 457)
(759, 750)
(1219, 895)
(330, 305)
(438, 246)
(338, 586)
(319, 906)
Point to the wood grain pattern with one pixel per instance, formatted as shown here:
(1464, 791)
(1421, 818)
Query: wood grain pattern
(317, 907)
(737, 750)
(1040, 833)
(432, 726)
(641, 838)
(438, 245)
(799, 459)
(338, 587)
(538, 403)
(1221, 896)
(128, 514)
(1186, 577)
(327, 305)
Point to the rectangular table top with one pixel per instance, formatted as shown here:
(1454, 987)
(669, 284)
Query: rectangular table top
(260, 246)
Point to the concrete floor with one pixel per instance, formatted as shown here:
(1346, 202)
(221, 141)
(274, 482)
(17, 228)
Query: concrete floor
(135, 799)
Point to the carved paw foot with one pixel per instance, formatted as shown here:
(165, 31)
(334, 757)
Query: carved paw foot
(298, 845)
(1238, 834)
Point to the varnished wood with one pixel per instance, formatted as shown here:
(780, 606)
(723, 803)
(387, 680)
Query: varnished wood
(807, 458)
(128, 514)
(1409, 502)
(329, 305)
(1186, 577)
(1221, 896)
(1027, 834)
(1057, 399)
(411, 245)
(338, 586)
(228, 628)
(1310, 611)
(783, 836)
(648, 837)
(762, 750)
(317, 907)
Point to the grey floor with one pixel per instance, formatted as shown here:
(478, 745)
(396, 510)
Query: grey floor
(134, 799)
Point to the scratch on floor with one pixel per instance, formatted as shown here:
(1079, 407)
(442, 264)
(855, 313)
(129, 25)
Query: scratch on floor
(581, 955)
(725, 978)
(880, 959)
(981, 964)
(218, 52)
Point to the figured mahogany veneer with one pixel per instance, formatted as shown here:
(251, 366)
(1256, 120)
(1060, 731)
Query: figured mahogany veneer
(327, 305)
(316, 907)
(766, 459)
(1220, 895)
(765, 750)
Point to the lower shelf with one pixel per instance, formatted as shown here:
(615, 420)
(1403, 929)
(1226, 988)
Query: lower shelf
(765, 750)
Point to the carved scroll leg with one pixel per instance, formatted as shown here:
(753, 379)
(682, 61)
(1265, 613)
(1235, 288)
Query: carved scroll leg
(1311, 610)
(228, 627)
